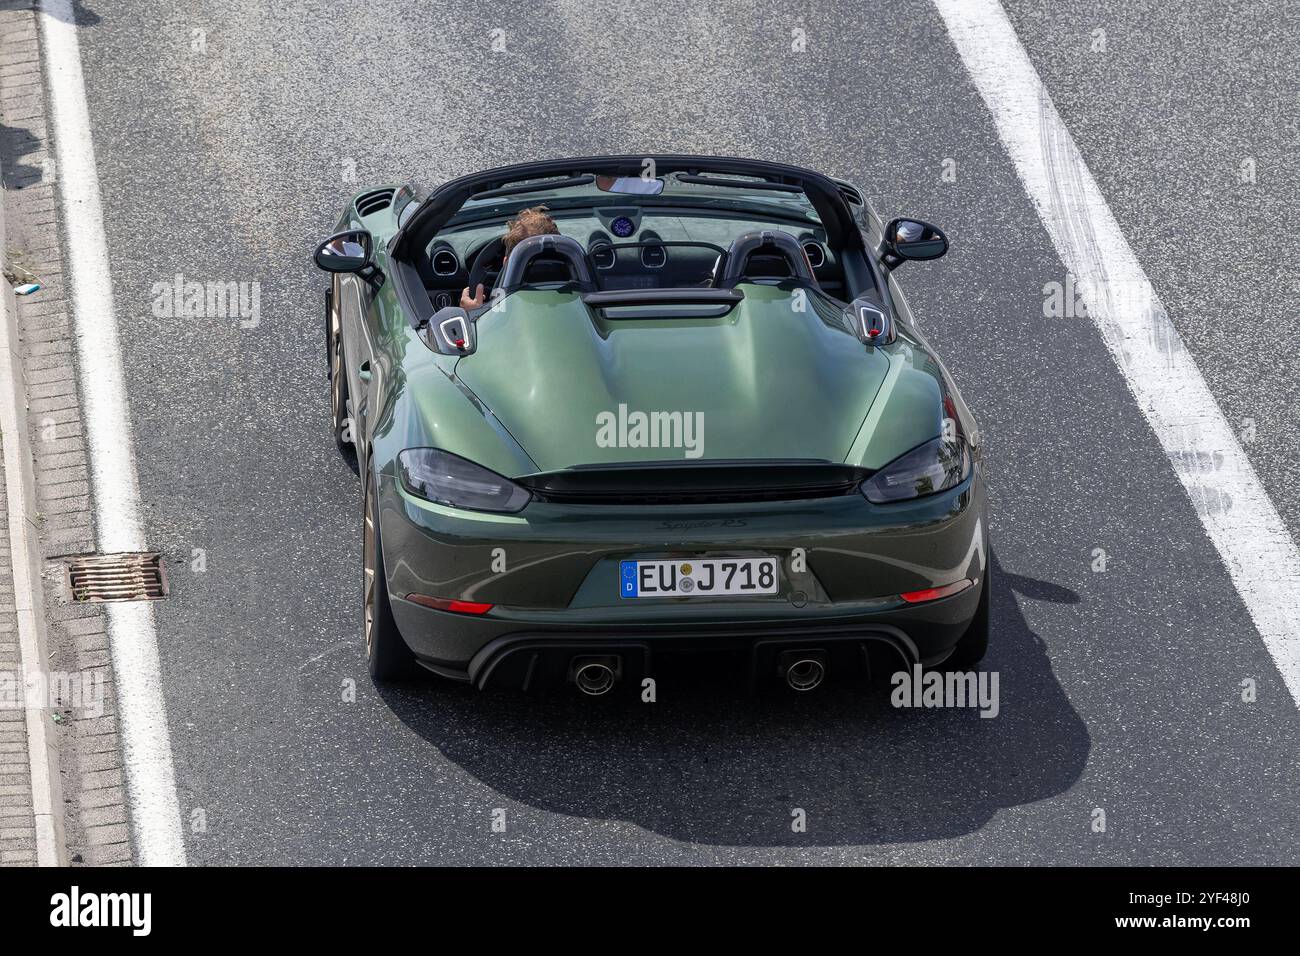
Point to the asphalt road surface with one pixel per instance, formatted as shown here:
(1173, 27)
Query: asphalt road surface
(227, 138)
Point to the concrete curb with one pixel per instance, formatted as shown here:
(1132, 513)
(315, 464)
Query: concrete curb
(29, 598)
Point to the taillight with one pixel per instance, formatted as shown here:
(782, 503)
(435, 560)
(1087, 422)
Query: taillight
(448, 604)
(933, 594)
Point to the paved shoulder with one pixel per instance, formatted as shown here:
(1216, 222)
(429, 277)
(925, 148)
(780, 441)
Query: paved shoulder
(72, 790)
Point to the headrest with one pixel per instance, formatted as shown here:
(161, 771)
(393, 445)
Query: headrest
(552, 251)
(766, 243)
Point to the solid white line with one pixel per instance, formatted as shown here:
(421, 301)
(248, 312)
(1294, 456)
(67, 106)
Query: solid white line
(1238, 515)
(142, 715)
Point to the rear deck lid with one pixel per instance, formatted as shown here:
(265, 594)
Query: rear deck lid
(765, 381)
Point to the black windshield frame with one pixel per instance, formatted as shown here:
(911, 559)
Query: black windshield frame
(445, 202)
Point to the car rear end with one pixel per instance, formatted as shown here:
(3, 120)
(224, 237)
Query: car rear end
(609, 575)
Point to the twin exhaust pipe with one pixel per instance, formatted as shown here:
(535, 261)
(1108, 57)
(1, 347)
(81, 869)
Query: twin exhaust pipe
(801, 670)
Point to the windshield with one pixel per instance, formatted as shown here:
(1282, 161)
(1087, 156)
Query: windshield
(757, 202)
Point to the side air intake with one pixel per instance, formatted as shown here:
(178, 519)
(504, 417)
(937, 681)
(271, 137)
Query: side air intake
(372, 202)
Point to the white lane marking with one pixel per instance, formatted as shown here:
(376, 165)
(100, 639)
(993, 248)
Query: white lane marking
(142, 716)
(1237, 513)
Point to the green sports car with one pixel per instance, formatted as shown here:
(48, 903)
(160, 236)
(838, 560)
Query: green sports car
(690, 418)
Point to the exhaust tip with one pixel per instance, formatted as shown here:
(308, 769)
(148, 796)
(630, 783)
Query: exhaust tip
(594, 678)
(805, 674)
(802, 670)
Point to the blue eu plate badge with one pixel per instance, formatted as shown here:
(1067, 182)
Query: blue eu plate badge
(627, 579)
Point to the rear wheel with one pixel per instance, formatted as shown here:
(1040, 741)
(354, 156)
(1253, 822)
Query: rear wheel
(387, 655)
(974, 644)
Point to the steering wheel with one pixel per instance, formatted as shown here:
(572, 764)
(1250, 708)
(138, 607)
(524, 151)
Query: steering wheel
(488, 260)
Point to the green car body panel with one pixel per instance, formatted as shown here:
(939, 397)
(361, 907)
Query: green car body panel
(766, 381)
(769, 382)
(782, 375)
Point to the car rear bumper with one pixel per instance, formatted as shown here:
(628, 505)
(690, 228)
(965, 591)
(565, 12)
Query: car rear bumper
(550, 574)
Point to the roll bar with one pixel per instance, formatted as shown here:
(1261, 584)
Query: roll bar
(766, 240)
(550, 246)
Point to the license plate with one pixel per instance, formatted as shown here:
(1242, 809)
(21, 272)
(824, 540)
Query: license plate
(703, 577)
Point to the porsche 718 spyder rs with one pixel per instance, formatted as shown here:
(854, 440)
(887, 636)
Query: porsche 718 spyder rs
(697, 417)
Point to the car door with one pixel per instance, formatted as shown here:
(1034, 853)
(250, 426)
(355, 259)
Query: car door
(358, 346)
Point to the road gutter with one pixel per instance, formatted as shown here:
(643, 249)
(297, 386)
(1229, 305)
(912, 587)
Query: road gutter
(29, 598)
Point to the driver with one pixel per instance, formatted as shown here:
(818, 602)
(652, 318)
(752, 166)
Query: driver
(531, 222)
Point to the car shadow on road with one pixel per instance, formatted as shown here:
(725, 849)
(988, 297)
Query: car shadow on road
(723, 768)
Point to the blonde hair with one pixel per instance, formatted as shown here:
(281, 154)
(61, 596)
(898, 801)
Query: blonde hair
(530, 222)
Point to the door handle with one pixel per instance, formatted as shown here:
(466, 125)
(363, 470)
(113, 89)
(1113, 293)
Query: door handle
(365, 374)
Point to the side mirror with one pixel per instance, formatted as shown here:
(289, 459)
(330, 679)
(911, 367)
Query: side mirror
(345, 251)
(911, 239)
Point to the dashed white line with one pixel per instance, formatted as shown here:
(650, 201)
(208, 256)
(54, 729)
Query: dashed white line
(142, 715)
(1236, 512)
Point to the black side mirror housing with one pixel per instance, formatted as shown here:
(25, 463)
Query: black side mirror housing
(911, 239)
(347, 251)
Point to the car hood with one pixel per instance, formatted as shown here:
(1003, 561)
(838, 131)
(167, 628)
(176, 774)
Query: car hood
(768, 380)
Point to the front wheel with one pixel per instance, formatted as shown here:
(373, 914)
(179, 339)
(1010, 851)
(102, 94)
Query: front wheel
(387, 655)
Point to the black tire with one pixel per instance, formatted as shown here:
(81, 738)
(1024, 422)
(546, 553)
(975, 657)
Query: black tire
(974, 644)
(338, 386)
(387, 655)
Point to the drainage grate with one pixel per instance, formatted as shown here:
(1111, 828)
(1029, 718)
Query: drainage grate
(117, 577)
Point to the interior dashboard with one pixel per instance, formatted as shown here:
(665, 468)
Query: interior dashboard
(627, 250)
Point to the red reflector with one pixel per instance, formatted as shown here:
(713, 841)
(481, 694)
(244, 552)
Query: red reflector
(933, 594)
(468, 607)
(445, 604)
